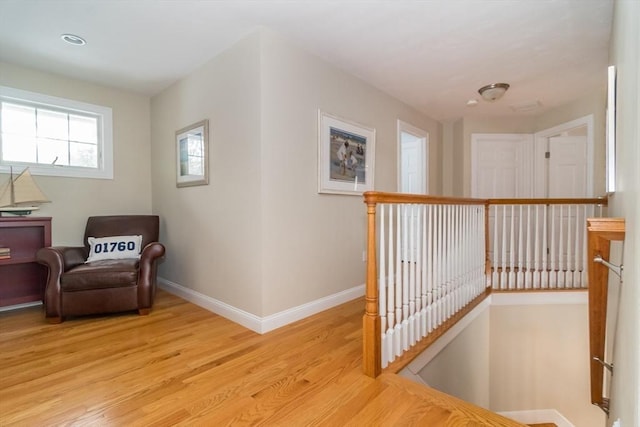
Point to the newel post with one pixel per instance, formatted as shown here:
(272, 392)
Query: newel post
(371, 338)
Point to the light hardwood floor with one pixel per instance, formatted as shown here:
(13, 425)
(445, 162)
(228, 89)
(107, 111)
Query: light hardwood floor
(183, 365)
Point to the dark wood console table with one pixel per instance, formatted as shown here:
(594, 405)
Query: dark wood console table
(22, 279)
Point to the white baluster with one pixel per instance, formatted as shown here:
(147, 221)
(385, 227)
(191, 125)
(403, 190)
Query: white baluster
(568, 275)
(382, 294)
(423, 271)
(503, 273)
(544, 279)
(520, 274)
(512, 251)
(553, 276)
(529, 259)
(391, 275)
(537, 255)
(576, 251)
(561, 257)
(412, 275)
(397, 343)
(495, 261)
(405, 277)
(430, 267)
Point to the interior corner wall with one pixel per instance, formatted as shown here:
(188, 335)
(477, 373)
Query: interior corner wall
(75, 199)
(625, 203)
(313, 243)
(456, 173)
(591, 104)
(213, 232)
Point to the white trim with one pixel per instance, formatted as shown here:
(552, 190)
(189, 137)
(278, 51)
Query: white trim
(610, 152)
(258, 324)
(538, 416)
(105, 154)
(541, 144)
(540, 298)
(19, 306)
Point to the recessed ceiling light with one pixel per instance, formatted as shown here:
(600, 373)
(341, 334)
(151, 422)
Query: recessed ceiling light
(472, 102)
(73, 39)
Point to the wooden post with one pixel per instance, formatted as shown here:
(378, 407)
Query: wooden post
(600, 231)
(371, 338)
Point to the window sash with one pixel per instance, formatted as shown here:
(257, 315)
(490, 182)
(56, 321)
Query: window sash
(58, 136)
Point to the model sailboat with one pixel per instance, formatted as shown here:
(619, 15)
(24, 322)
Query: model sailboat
(20, 196)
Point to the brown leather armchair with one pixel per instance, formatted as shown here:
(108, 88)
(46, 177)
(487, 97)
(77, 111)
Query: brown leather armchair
(77, 288)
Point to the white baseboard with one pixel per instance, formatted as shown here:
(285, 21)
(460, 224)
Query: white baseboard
(259, 324)
(538, 416)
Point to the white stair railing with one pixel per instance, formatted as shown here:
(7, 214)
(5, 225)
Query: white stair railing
(436, 257)
(431, 257)
(540, 244)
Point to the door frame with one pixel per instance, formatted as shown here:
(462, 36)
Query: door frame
(540, 147)
(424, 136)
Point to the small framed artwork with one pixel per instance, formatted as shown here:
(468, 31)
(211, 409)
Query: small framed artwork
(346, 156)
(192, 155)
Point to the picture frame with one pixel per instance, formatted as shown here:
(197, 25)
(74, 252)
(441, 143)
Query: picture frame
(192, 155)
(346, 156)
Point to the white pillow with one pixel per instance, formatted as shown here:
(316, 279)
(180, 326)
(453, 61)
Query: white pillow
(114, 247)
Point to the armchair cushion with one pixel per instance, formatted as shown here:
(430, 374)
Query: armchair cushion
(111, 273)
(114, 247)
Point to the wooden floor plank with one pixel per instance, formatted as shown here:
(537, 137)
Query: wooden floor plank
(183, 365)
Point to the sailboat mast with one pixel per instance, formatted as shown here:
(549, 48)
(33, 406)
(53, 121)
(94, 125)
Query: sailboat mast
(12, 189)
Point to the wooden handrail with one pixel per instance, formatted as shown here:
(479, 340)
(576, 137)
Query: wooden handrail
(381, 197)
(601, 231)
(581, 201)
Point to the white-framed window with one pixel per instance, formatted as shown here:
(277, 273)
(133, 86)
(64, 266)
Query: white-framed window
(54, 136)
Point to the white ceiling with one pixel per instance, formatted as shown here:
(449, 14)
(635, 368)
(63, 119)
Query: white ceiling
(432, 54)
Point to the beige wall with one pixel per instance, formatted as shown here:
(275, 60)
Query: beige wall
(74, 199)
(591, 104)
(461, 369)
(625, 48)
(313, 243)
(213, 232)
(260, 237)
(539, 361)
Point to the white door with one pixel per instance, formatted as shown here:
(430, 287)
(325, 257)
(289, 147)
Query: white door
(567, 167)
(501, 165)
(413, 154)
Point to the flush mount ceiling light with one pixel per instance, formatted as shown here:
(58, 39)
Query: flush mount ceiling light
(493, 92)
(73, 39)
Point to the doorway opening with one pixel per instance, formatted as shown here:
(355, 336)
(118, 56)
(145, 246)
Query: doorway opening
(413, 156)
